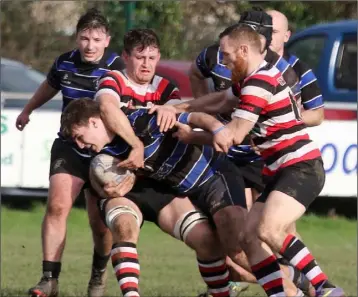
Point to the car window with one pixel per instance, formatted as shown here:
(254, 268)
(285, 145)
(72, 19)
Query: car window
(20, 79)
(345, 75)
(308, 49)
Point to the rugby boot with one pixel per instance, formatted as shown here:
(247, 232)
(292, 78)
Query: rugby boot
(237, 287)
(97, 283)
(330, 292)
(47, 287)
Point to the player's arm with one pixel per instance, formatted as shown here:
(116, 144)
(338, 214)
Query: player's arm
(312, 100)
(198, 82)
(46, 91)
(108, 96)
(208, 123)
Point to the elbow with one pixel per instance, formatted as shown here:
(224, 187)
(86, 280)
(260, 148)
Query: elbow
(319, 117)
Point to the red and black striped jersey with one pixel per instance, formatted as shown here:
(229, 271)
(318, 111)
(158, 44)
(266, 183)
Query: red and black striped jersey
(268, 101)
(134, 96)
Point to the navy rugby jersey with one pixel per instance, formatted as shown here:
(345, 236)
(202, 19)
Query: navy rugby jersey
(182, 166)
(310, 91)
(77, 79)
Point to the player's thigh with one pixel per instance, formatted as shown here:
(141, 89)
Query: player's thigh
(293, 190)
(67, 175)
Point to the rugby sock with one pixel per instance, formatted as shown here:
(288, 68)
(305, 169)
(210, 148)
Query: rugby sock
(99, 262)
(269, 276)
(216, 276)
(51, 269)
(126, 266)
(299, 256)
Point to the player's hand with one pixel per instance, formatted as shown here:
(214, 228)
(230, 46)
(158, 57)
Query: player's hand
(135, 159)
(223, 140)
(114, 190)
(184, 132)
(166, 116)
(22, 120)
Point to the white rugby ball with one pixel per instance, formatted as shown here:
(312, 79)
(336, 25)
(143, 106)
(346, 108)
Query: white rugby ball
(104, 169)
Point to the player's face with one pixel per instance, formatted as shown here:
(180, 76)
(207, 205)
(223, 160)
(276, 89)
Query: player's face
(92, 43)
(141, 64)
(93, 136)
(280, 35)
(234, 57)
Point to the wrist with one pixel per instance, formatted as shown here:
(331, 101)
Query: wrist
(27, 110)
(137, 143)
(217, 128)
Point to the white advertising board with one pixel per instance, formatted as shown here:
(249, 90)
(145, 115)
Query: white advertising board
(337, 141)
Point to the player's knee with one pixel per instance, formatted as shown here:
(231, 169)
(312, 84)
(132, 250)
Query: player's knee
(269, 232)
(58, 211)
(125, 228)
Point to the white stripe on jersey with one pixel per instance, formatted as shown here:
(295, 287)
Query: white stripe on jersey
(257, 91)
(107, 91)
(246, 115)
(279, 119)
(281, 95)
(274, 142)
(293, 155)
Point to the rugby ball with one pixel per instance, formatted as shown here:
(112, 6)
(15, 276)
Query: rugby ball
(104, 169)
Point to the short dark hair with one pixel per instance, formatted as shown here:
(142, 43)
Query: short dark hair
(241, 32)
(140, 37)
(77, 113)
(92, 19)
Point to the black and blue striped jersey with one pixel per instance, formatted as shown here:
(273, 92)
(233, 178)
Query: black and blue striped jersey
(77, 79)
(183, 166)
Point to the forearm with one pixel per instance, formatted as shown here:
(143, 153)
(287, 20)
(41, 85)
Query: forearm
(115, 119)
(43, 94)
(212, 103)
(204, 121)
(201, 138)
(313, 117)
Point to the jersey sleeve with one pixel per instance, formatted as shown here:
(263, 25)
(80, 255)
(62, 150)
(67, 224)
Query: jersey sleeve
(310, 91)
(170, 92)
(207, 59)
(53, 76)
(253, 98)
(112, 83)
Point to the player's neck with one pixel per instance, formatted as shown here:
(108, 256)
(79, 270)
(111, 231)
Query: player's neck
(132, 79)
(254, 65)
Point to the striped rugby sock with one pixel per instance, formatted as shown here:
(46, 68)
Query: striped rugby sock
(216, 276)
(299, 256)
(126, 266)
(269, 276)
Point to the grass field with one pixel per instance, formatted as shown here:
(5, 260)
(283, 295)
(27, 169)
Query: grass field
(168, 268)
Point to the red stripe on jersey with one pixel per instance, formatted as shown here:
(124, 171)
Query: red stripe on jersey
(162, 85)
(110, 83)
(269, 79)
(119, 77)
(278, 105)
(283, 144)
(254, 100)
(309, 156)
(174, 95)
(281, 126)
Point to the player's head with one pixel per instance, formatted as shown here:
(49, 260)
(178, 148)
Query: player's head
(261, 22)
(81, 122)
(92, 35)
(241, 47)
(141, 54)
(281, 33)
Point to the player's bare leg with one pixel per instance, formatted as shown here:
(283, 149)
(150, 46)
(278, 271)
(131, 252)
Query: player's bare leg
(63, 191)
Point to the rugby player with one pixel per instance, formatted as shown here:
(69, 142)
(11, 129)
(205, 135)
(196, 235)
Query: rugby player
(293, 164)
(75, 74)
(312, 100)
